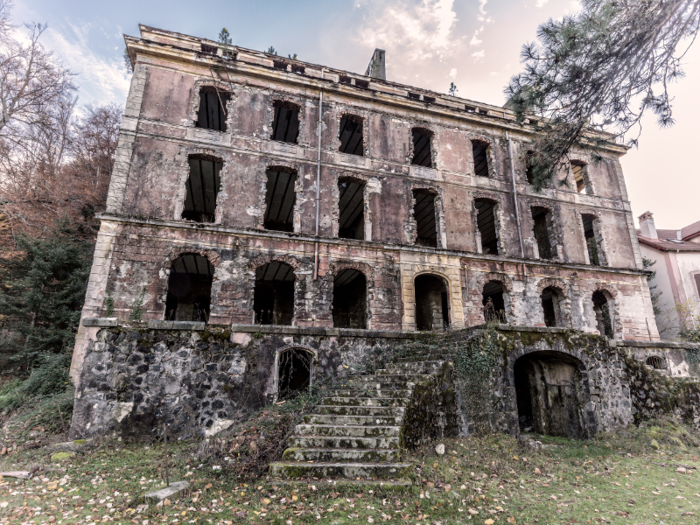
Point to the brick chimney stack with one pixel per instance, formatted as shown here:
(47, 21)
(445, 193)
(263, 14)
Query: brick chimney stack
(646, 225)
(377, 66)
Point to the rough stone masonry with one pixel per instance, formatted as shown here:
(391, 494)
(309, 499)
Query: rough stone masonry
(271, 221)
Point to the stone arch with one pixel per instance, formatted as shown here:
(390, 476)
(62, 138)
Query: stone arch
(262, 260)
(210, 83)
(507, 284)
(188, 294)
(559, 381)
(350, 303)
(184, 174)
(490, 153)
(279, 363)
(610, 295)
(431, 294)
(564, 301)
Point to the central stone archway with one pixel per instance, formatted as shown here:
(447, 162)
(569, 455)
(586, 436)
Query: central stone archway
(550, 394)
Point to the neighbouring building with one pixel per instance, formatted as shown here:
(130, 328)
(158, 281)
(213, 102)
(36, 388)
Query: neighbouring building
(268, 215)
(676, 254)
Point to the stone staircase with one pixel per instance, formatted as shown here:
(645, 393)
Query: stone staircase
(356, 433)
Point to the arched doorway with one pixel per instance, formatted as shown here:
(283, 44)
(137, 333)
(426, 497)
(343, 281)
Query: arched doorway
(549, 394)
(432, 303)
(603, 313)
(273, 300)
(493, 300)
(294, 372)
(189, 288)
(551, 306)
(350, 299)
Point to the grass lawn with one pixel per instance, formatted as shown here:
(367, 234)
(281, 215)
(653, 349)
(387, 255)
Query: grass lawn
(617, 478)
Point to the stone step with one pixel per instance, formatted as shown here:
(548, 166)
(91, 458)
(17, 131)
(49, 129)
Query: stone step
(347, 430)
(290, 469)
(415, 365)
(367, 401)
(374, 392)
(394, 380)
(344, 442)
(405, 374)
(333, 419)
(360, 410)
(357, 455)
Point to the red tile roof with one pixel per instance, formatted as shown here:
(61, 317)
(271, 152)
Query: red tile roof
(691, 231)
(667, 242)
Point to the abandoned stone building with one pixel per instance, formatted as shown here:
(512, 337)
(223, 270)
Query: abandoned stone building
(293, 206)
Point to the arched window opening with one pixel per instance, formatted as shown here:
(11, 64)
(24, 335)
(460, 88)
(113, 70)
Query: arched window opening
(273, 301)
(285, 126)
(425, 217)
(202, 188)
(432, 303)
(280, 199)
(542, 230)
(486, 226)
(351, 209)
(551, 306)
(580, 172)
(294, 372)
(422, 147)
(351, 140)
(494, 302)
(189, 289)
(656, 362)
(603, 318)
(350, 299)
(213, 109)
(480, 150)
(591, 231)
(547, 390)
(530, 166)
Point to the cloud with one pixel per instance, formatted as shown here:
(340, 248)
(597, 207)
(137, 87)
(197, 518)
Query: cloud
(482, 5)
(475, 39)
(453, 72)
(541, 3)
(479, 54)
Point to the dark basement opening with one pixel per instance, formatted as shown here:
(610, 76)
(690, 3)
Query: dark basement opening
(351, 141)
(189, 289)
(285, 126)
(541, 218)
(294, 372)
(273, 300)
(202, 188)
(547, 391)
(422, 153)
(550, 306)
(486, 224)
(432, 306)
(601, 307)
(280, 198)
(589, 222)
(350, 299)
(424, 215)
(480, 150)
(655, 362)
(213, 108)
(493, 302)
(351, 209)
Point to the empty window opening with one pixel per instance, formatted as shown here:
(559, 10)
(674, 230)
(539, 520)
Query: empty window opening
(486, 225)
(351, 209)
(273, 300)
(580, 175)
(530, 167)
(656, 362)
(422, 152)
(590, 225)
(189, 289)
(213, 108)
(293, 372)
(202, 188)
(351, 135)
(280, 199)
(547, 391)
(480, 150)
(551, 306)
(541, 227)
(285, 126)
(432, 305)
(603, 318)
(350, 299)
(494, 302)
(424, 215)
(212, 50)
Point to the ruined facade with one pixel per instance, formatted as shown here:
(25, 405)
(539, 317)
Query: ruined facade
(253, 190)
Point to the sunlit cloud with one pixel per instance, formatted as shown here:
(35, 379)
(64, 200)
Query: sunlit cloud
(541, 3)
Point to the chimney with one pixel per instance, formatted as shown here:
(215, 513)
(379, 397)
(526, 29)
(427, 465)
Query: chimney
(646, 226)
(377, 66)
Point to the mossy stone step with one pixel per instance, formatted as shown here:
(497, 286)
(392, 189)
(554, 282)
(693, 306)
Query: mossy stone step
(343, 442)
(361, 455)
(347, 430)
(377, 401)
(396, 381)
(335, 419)
(374, 392)
(360, 410)
(291, 469)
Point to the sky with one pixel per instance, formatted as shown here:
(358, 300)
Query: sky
(429, 43)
